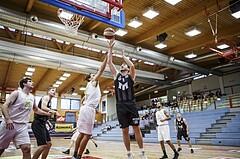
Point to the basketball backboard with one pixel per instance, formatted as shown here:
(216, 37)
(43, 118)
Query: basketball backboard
(106, 11)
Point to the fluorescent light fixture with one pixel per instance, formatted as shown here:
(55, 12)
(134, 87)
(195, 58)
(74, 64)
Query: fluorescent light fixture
(55, 85)
(223, 46)
(82, 88)
(74, 94)
(1, 27)
(190, 56)
(160, 45)
(205, 102)
(79, 66)
(66, 74)
(192, 32)
(121, 32)
(155, 91)
(58, 82)
(28, 73)
(30, 69)
(60, 41)
(105, 91)
(66, 15)
(135, 23)
(37, 58)
(236, 15)
(172, 2)
(62, 78)
(104, 52)
(150, 13)
(80, 46)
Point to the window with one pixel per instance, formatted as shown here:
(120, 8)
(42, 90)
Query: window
(7, 95)
(70, 104)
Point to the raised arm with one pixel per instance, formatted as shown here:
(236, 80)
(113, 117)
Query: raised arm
(109, 61)
(10, 100)
(130, 64)
(102, 68)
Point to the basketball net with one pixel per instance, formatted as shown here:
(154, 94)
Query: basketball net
(72, 24)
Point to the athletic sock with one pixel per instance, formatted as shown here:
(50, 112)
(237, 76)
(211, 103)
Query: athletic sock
(75, 154)
(79, 157)
(175, 151)
(164, 153)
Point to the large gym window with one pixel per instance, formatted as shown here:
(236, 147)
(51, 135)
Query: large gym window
(70, 104)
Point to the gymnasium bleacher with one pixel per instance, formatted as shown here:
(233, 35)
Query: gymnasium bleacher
(214, 127)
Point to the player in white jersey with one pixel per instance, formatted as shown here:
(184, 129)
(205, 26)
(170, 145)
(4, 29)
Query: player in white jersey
(16, 112)
(162, 118)
(87, 111)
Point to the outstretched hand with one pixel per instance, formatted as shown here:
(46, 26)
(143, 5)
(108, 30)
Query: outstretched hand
(111, 43)
(123, 52)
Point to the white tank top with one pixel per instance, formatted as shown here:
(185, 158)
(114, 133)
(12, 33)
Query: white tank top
(21, 109)
(160, 116)
(92, 95)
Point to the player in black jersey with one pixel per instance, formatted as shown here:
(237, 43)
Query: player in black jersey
(182, 129)
(126, 108)
(39, 125)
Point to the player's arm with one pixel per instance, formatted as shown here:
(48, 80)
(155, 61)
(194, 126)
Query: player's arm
(10, 100)
(185, 122)
(130, 64)
(112, 67)
(175, 125)
(41, 112)
(44, 107)
(168, 117)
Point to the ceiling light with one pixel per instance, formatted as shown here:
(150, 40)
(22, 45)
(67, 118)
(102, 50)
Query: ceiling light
(66, 15)
(235, 8)
(121, 32)
(55, 85)
(160, 45)
(66, 74)
(30, 69)
(172, 2)
(150, 13)
(223, 46)
(62, 78)
(191, 55)
(155, 91)
(29, 73)
(37, 58)
(74, 94)
(135, 23)
(58, 82)
(82, 88)
(105, 91)
(236, 15)
(193, 31)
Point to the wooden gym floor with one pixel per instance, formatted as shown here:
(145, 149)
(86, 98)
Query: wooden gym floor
(116, 150)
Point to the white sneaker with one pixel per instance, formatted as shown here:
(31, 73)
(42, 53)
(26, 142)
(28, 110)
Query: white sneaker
(130, 155)
(142, 155)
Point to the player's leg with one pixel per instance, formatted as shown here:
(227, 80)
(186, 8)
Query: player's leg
(83, 144)
(26, 151)
(77, 144)
(187, 138)
(6, 136)
(161, 140)
(179, 137)
(46, 150)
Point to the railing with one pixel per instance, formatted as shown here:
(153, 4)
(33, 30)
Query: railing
(234, 100)
(189, 105)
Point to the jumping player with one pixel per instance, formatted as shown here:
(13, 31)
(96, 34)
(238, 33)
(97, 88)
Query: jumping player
(87, 111)
(126, 107)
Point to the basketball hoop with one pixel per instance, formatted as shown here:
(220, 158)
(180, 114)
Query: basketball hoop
(71, 21)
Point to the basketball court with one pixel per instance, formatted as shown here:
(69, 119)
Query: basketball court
(116, 150)
(72, 14)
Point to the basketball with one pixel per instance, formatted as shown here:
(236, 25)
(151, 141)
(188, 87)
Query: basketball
(109, 33)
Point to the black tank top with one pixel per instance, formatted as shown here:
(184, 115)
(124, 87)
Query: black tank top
(42, 117)
(124, 89)
(181, 126)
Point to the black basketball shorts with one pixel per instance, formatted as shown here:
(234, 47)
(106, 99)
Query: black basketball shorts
(127, 114)
(181, 134)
